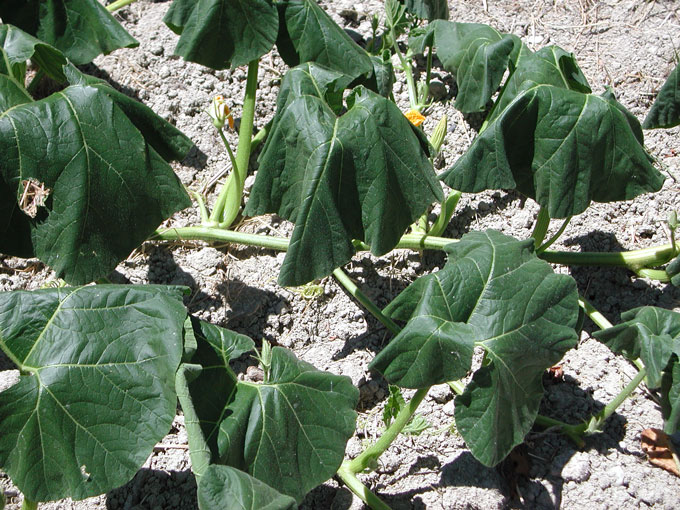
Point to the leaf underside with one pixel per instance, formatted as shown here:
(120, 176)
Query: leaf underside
(496, 294)
(365, 175)
(81, 29)
(563, 148)
(100, 393)
(289, 432)
(106, 188)
(665, 112)
(223, 33)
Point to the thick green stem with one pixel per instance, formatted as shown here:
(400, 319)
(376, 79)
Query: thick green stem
(654, 274)
(597, 421)
(410, 82)
(594, 315)
(228, 202)
(368, 458)
(358, 488)
(29, 505)
(573, 432)
(541, 227)
(634, 259)
(356, 293)
(114, 6)
(448, 207)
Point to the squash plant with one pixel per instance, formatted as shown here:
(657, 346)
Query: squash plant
(85, 179)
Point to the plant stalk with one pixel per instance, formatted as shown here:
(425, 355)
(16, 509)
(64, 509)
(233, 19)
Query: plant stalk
(594, 314)
(118, 4)
(573, 432)
(598, 420)
(554, 238)
(356, 293)
(228, 202)
(634, 259)
(29, 505)
(358, 488)
(370, 455)
(411, 84)
(448, 206)
(541, 227)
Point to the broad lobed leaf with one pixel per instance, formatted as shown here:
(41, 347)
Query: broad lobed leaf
(289, 432)
(365, 175)
(99, 390)
(81, 29)
(496, 294)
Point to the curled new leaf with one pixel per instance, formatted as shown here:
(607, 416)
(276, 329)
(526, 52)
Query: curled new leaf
(365, 175)
(561, 147)
(81, 29)
(99, 390)
(493, 293)
(223, 33)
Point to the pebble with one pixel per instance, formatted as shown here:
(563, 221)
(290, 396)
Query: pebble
(577, 469)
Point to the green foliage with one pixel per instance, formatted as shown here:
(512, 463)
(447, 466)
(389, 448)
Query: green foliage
(365, 175)
(223, 33)
(17, 47)
(561, 147)
(395, 403)
(93, 398)
(665, 112)
(496, 294)
(653, 335)
(243, 492)
(81, 29)
(272, 431)
(673, 270)
(428, 9)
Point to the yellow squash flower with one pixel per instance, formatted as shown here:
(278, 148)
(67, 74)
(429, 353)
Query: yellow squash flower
(415, 117)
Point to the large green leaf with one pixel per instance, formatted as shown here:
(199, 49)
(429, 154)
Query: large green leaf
(289, 432)
(673, 271)
(365, 175)
(315, 37)
(243, 492)
(478, 56)
(18, 47)
(665, 112)
(648, 333)
(493, 293)
(165, 138)
(81, 29)
(428, 9)
(99, 393)
(562, 148)
(548, 66)
(223, 33)
(107, 188)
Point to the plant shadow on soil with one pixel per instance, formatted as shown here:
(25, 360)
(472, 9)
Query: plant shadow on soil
(153, 488)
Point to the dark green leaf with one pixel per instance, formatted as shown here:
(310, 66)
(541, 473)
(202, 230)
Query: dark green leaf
(81, 29)
(223, 33)
(560, 147)
(421, 38)
(165, 138)
(365, 175)
(100, 393)
(382, 79)
(107, 188)
(18, 47)
(317, 38)
(673, 271)
(222, 484)
(665, 112)
(548, 66)
(12, 93)
(671, 400)
(648, 333)
(496, 294)
(478, 56)
(428, 9)
(289, 432)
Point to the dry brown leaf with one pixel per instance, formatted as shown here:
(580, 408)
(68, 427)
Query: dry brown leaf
(659, 449)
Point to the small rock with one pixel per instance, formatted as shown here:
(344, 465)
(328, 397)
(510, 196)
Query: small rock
(577, 469)
(449, 408)
(157, 49)
(618, 476)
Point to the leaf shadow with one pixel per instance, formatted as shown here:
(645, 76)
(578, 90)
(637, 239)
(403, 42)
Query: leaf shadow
(154, 488)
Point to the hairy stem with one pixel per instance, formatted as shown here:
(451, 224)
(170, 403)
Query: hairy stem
(634, 259)
(541, 227)
(118, 4)
(594, 314)
(358, 488)
(228, 202)
(369, 457)
(410, 82)
(356, 293)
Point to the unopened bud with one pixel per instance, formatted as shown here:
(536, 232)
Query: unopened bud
(219, 113)
(439, 133)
